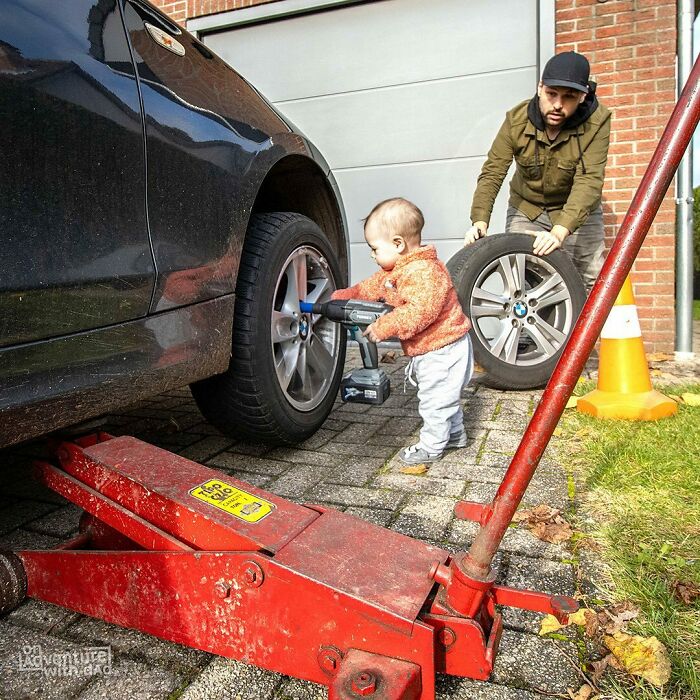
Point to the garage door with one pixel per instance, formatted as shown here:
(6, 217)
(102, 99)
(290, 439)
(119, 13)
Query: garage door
(403, 97)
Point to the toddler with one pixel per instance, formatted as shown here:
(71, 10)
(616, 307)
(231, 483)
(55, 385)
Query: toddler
(427, 318)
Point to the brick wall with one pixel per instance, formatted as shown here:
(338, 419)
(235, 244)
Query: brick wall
(631, 45)
(182, 10)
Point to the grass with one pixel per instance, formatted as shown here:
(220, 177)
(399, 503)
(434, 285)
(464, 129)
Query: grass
(696, 309)
(642, 483)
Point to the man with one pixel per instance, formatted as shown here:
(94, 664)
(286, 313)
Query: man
(559, 140)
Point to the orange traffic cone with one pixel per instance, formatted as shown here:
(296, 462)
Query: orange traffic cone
(624, 386)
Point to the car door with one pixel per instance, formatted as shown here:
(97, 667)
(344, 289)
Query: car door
(75, 251)
(204, 127)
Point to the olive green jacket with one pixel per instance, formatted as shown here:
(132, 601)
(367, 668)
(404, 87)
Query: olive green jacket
(564, 178)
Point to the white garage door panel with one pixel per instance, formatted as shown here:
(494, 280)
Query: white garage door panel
(442, 189)
(381, 43)
(402, 97)
(427, 121)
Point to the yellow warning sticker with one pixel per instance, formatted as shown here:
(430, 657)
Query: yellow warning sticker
(228, 498)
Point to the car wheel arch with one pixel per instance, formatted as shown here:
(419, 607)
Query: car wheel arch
(293, 181)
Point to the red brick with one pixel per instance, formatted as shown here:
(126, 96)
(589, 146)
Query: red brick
(564, 14)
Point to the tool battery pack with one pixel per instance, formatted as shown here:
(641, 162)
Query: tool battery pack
(365, 386)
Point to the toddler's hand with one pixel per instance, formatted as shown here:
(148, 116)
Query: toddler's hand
(477, 230)
(371, 335)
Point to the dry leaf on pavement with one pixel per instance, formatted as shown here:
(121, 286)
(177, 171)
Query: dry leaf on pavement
(584, 693)
(389, 357)
(597, 668)
(545, 523)
(549, 624)
(414, 469)
(584, 617)
(641, 656)
(552, 532)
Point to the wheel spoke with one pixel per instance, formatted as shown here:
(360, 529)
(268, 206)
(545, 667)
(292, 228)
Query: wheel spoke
(507, 339)
(320, 287)
(487, 310)
(319, 358)
(547, 338)
(287, 363)
(519, 270)
(306, 389)
(485, 295)
(512, 269)
(551, 291)
(300, 275)
(511, 346)
(284, 327)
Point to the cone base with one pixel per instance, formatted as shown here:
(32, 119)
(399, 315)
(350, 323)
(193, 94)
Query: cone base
(649, 405)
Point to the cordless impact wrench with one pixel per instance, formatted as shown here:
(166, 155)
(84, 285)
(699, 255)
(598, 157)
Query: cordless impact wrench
(369, 384)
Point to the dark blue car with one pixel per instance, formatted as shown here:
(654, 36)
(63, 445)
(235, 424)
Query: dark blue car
(160, 222)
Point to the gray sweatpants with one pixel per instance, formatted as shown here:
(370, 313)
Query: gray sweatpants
(585, 246)
(441, 375)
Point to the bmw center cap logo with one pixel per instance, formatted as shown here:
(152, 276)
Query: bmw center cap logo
(304, 327)
(520, 309)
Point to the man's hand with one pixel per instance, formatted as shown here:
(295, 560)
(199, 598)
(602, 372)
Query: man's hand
(371, 335)
(477, 230)
(548, 241)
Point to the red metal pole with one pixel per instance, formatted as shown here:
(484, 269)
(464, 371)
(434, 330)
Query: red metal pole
(647, 200)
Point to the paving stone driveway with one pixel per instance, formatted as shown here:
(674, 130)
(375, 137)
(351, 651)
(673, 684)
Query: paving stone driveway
(350, 464)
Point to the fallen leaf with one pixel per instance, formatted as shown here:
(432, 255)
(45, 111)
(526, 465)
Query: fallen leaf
(615, 663)
(552, 532)
(389, 357)
(571, 403)
(542, 513)
(582, 617)
(614, 618)
(585, 617)
(686, 592)
(641, 656)
(550, 624)
(691, 399)
(597, 668)
(545, 523)
(414, 469)
(583, 693)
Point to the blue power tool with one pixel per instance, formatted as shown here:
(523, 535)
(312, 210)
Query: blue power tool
(369, 384)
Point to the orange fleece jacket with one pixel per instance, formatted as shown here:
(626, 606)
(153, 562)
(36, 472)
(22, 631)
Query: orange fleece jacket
(427, 314)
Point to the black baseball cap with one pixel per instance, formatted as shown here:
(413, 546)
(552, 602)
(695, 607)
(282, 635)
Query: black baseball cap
(567, 69)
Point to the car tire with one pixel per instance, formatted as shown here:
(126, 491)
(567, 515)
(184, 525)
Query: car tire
(285, 366)
(523, 307)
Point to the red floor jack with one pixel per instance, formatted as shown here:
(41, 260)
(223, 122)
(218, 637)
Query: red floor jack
(176, 550)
